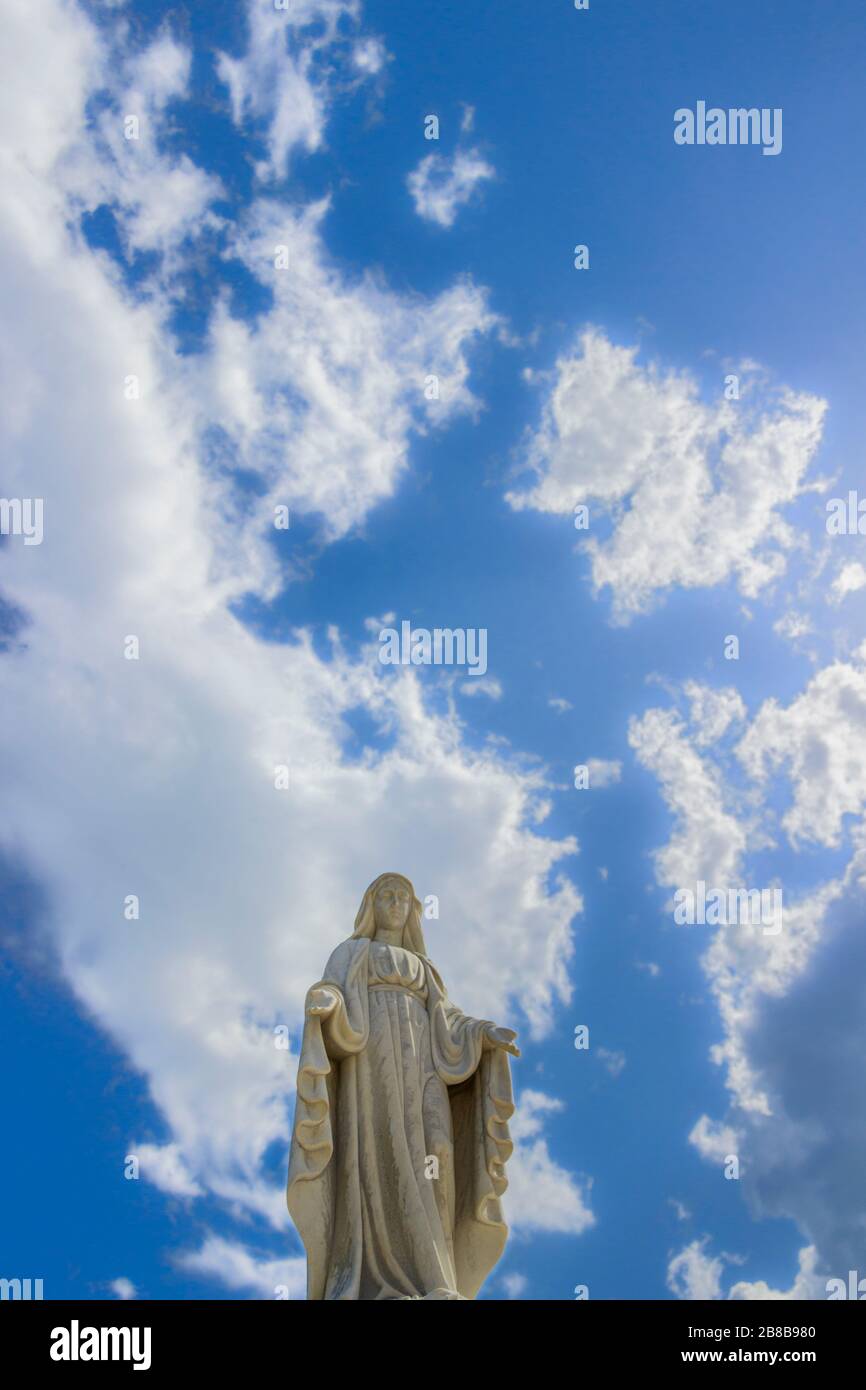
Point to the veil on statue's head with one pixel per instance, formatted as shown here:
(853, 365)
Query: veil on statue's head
(365, 922)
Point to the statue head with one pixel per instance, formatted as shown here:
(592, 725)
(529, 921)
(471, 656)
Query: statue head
(391, 908)
(392, 902)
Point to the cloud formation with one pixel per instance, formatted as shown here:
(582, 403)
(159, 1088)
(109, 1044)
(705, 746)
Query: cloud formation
(441, 185)
(162, 768)
(680, 492)
(790, 1005)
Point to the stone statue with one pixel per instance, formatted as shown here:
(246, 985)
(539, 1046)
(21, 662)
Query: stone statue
(401, 1136)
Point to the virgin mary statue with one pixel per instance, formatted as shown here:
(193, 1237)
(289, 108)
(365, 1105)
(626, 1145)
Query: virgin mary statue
(401, 1136)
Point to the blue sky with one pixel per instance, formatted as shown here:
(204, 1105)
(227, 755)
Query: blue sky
(153, 259)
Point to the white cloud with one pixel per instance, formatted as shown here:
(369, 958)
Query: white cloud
(712, 711)
(484, 685)
(123, 1288)
(819, 741)
(165, 1168)
(603, 772)
(320, 397)
(793, 626)
(515, 1285)
(369, 56)
(280, 83)
(66, 67)
(695, 1275)
(708, 838)
(714, 1141)
(612, 1061)
(229, 1263)
(650, 966)
(559, 704)
(158, 199)
(807, 1284)
(850, 579)
(790, 1011)
(542, 1196)
(639, 447)
(440, 186)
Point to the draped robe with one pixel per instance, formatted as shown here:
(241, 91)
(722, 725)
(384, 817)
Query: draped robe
(400, 1136)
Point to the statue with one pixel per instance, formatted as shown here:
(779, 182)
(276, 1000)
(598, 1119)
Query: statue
(400, 1139)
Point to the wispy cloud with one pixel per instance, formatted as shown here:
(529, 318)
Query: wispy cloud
(637, 445)
(441, 185)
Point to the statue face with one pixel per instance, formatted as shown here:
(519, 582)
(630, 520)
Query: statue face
(391, 906)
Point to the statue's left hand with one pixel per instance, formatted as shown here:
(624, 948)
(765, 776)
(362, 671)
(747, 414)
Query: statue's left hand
(502, 1037)
(321, 1002)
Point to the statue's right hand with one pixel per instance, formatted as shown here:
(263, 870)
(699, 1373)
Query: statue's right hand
(321, 1002)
